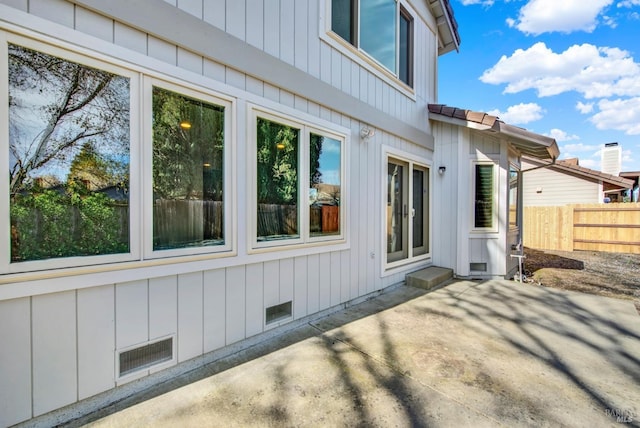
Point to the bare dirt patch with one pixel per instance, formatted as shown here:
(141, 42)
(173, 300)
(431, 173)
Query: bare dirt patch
(605, 274)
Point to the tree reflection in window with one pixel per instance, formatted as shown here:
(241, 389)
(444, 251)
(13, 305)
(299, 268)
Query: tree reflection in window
(277, 181)
(188, 148)
(324, 179)
(68, 158)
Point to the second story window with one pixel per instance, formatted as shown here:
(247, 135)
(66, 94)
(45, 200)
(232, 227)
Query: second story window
(383, 29)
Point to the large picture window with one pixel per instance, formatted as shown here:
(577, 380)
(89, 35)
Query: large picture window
(299, 178)
(381, 28)
(68, 156)
(188, 171)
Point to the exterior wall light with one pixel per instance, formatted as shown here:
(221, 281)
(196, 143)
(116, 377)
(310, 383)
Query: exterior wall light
(366, 133)
(441, 170)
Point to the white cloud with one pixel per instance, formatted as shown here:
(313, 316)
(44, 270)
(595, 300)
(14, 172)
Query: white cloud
(580, 147)
(519, 114)
(559, 135)
(590, 163)
(620, 114)
(595, 72)
(566, 16)
(629, 3)
(584, 108)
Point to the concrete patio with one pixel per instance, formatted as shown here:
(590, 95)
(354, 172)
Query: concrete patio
(467, 354)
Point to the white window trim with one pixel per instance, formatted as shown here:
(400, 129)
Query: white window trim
(364, 59)
(228, 170)
(393, 153)
(134, 159)
(496, 200)
(306, 127)
(515, 228)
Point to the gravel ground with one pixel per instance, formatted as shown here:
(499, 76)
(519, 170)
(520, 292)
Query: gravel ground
(606, 274)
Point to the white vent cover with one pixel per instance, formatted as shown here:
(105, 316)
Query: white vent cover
(145, 356)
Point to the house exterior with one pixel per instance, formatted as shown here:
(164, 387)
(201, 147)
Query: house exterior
(566, 182)
(480, 183)
(187, 178)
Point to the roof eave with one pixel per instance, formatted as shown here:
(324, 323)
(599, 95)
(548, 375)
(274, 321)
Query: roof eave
(448, 36)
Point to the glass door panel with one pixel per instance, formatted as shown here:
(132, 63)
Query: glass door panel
(397, 213)
(419, 212)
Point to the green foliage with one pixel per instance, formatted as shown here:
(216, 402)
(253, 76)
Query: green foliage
(277, 163)
(187, 162)
(51, 224)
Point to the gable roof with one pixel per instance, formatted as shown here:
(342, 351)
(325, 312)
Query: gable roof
(613, 181)
(448, 36)
(529, 143)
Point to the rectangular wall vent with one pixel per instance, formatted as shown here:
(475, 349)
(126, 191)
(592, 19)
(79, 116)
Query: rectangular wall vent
(478, 267)
(146, 356)
(278, 312)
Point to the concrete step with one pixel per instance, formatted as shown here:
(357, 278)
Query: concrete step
(429, 278)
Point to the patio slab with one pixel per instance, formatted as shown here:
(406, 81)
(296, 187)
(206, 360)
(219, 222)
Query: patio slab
(468, 354)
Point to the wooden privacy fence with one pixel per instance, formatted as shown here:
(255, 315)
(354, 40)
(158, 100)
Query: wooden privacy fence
(595, 227)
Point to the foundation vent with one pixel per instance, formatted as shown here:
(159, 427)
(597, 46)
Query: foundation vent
(146, 356)
(478, 267)
(278, 312)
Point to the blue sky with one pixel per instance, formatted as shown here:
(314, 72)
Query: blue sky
(569, 69)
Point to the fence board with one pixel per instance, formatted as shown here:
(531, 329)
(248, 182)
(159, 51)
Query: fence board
(593, 227)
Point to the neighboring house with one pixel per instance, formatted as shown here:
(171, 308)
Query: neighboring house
(633, 194)
(477, 190)
(566, 182)
(279, 163)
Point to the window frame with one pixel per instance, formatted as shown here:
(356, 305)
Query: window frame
(306, 127)
(65, 53)
(518, 192)
(495, 197)
(413, 163)
(228, 196)
(403, 9)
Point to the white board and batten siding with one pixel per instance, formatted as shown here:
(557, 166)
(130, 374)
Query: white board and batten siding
(548, 187)
(61, 335)
(458, 244)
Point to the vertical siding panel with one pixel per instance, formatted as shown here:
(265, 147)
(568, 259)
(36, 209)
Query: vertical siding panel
(345, 75)
(271, 92)
(255, 23)
(300, 292)
(189, 61)
(235, 311)
(15, 352)
(130, 38)
(364, 85)
(161, 50)
(59, 11)
(377, 216)
(214, 12)
(325, 281)
(336, 68)
(55, 381)
(194, 7)
(313, 283)
(300, 103)
(163, 308)
(286, 280)
(235, 18)
(132, 311)
(362, 222)
(271, 283)
(336, 278)
(371, 183)
(286, 98)
(23, 6)
(190, 316)
(96, 25)
(287, 31)
(301, 35)
(214, 309)
(325, 63)
(355, 209)
(255, 86)
(355, 79)
(313, 42)
(236, 78)
(96, 340)
(255, 298)
(272, 27)
(345, 276)
(214, 70)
